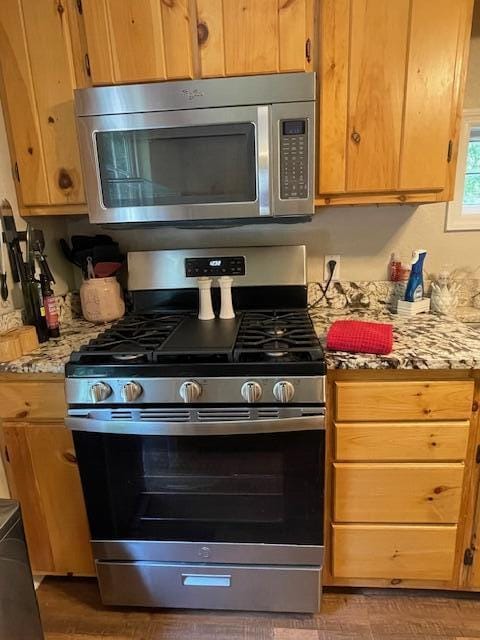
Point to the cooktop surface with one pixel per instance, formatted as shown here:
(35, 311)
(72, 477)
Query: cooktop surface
(281, 336)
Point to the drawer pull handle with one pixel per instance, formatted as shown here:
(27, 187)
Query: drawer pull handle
(205, 580)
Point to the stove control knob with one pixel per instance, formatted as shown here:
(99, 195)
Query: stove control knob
(251, 391)
(100, 391)
(190, 391)
(284, 391)
(131, 391)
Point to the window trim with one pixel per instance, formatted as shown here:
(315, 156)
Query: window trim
(456, 220)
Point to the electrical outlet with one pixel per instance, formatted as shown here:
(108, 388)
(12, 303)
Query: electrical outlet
(326, 270)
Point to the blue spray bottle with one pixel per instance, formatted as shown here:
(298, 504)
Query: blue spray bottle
(414, 289)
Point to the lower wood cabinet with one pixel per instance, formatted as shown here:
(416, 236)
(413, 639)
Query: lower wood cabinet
(401, 441)
(43, 475)
(384, 492)
(394, 552)
(403, 480)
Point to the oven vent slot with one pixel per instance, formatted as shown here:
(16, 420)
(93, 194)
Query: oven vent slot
(222, 415)
(121, 414)
(268, 413)
(167, 415)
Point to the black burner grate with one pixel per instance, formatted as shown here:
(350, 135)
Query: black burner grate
(286, 336)
(263, 337)
(135, 338)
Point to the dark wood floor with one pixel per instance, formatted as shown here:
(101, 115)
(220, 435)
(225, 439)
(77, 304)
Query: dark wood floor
(71, 609)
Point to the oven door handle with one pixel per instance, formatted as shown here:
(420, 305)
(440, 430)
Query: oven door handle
(161, 428)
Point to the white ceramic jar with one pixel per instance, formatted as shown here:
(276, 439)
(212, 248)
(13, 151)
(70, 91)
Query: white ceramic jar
(101, 300)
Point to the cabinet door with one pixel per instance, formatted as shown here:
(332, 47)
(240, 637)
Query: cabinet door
(389, 87)
(139, 40)
(39, 78)
(429, 93)
(378, 41)
(44, 477)
(19, 100)
(254, 36)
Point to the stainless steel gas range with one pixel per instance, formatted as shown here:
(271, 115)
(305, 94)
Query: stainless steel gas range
(201, 443)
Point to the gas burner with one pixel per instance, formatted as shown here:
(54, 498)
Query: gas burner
(276, 331)
(279, 335)
(127, 357)
(134, 338)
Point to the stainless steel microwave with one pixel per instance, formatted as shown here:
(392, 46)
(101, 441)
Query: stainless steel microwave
(229, 148)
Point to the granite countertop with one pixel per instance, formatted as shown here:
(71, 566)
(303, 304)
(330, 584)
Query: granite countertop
(52, 356)
(425, 341)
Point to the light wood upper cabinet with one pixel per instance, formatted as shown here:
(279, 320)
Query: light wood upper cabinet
(378, 46)
(390, 85)
(429, 93)
(140, 40)
(149, 40)
(263, 36)
(43, 476)
(39, 42)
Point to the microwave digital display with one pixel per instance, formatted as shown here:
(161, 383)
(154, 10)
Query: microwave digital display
(293, 127)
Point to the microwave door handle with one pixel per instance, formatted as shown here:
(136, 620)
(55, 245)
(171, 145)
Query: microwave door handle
(162, 428)
(264, 157)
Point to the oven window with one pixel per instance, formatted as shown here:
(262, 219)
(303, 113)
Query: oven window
(186, 165)
(253, 488)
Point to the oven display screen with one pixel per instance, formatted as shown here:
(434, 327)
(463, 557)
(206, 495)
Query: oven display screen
(216, 266)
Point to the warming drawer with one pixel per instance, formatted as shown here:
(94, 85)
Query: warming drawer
(254, 588)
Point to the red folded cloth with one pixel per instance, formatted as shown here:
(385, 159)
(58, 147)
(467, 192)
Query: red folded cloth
(360, 337)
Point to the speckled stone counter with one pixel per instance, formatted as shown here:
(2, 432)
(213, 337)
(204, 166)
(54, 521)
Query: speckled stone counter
(423, 342)
(52, 356)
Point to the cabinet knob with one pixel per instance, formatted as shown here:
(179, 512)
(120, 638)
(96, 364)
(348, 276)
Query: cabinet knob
(64, 180)
(202, 32)
(356, 137)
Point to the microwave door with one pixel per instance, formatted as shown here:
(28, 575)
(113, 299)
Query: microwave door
(198, 164)
(293, 158)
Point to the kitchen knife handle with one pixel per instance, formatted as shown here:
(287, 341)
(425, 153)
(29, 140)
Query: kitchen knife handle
(3, 286)
(13, 263)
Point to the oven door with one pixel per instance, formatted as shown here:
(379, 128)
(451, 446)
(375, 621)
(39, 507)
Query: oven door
(167, 166)
(224, 491)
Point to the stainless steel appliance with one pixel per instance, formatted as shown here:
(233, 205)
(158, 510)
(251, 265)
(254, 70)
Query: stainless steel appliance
(229, 148)
(19, 616)
(201, 443)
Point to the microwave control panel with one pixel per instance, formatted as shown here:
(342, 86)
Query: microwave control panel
(215, 266)
(293, 159)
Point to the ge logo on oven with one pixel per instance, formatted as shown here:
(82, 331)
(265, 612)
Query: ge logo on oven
(192, 94)
(204, 552)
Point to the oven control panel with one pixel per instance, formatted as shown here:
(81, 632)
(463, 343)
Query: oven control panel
(215, 266)
(293, 159)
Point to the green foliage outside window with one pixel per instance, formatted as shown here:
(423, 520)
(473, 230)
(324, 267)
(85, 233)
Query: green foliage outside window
(471, 194)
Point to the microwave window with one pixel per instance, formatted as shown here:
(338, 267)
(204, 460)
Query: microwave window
(187, 165)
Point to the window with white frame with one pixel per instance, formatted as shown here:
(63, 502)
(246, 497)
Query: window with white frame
(463, 213)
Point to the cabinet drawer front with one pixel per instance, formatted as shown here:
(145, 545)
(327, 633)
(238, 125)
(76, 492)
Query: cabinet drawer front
(405, 552)
(32, 400)
(401, 441)
(371, 401)
(382, 492)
